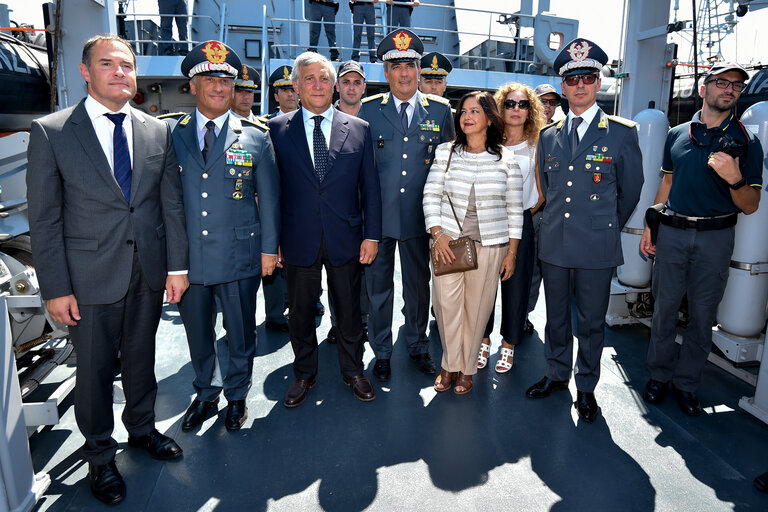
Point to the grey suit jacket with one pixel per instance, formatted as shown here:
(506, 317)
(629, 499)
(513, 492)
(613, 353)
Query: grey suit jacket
(83, 230)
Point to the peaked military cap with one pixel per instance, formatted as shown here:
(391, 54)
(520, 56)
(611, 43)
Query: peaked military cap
(349, 67)
(435, 65)
(400, 45)
(211, 58)
(580, 57)
(281, 77)
(248, 79)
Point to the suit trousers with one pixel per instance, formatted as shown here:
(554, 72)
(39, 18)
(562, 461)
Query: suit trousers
(695, 263)
(516, 289)
(321, 15)
(363, 14)
(414, 267)
(168, 8)
(344, 289)
(398, 16)
(275, 296)
(364, 306)
(533, 297)
(462, 303)
(238, 308)
(591, 290)
(125, 329)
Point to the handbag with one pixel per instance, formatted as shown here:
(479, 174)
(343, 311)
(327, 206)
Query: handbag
(463, 248)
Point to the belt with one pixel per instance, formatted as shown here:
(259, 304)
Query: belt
(678, 221)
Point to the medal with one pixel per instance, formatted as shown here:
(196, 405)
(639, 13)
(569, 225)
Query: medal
(596, 177)
(594, 197)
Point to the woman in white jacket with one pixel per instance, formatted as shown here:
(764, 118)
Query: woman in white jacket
(484, 184)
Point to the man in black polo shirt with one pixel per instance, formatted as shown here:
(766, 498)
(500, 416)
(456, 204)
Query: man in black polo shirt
(696, 235)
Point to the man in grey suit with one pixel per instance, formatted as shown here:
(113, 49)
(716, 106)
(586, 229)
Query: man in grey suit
(108, 236)
(591, 175)
(406, 126)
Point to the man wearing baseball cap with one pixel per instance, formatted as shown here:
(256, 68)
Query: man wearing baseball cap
(549, 98)
(225, 161)
(705, 185)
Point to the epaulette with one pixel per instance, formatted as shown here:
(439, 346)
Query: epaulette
(371, 98)
(174, 114)
(256, 122)
(553, 123)
(438, 99)
(623, 121)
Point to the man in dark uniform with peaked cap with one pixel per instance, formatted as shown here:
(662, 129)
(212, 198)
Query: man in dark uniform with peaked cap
(282, 87)
(435, 68)
(406, 126)
(591, 175)
(246, 84)
(225, 162)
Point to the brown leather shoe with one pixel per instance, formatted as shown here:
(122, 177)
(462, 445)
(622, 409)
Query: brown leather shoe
(297, 392)
(361, 387)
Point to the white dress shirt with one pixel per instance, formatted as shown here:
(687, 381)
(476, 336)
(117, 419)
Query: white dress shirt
(309, 128)
(410, 109)
(587, 116)
(105, 128)
(201, 129)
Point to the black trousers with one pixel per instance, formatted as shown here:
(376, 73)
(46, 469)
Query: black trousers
(126, 328)
(344, 290)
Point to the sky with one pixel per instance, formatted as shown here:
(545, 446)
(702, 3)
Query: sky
(599, 21)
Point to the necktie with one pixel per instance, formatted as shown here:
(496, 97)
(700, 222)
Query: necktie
(209, 139)
(320, 149)
(404, 116)
(120, 155)
(575, 122)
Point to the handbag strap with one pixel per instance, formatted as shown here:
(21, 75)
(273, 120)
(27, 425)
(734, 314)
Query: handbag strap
(447, 166)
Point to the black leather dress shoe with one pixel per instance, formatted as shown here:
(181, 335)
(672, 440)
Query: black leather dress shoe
(655, 392)
(237, 413)
(425, 363)
(586, 406)
(361, 387)
(277, 326)
(198, 412)
(688, 402)
(331, 338)
(761, 482)
(546, 387)
(157, 445)
(528, 329)
(297, 392)
(106, 483)
(382, 371)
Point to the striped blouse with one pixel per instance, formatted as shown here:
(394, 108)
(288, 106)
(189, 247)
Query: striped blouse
(498, 193)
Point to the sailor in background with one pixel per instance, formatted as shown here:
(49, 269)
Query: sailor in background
(170, 10)
(399, 12)
(363, 13)
(406, 126)
(435, 68)
(591, 175)
(704, 188)
(283, 92)
(226, 162)
(322, 13)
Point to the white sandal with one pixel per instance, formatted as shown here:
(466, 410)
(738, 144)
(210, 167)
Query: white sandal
(482, 361)
(506, 360)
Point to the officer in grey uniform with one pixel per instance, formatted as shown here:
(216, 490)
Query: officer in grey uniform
(322, 13)
(406, 126)
(591, 175)
(363, 13)
(282, 88)
(224, 162)
(435, 68)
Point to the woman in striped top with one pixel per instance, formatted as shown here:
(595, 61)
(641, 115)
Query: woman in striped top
(485, 185)
(523, 119)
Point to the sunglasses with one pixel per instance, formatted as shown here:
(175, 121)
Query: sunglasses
(551, 103)
(722, 83)
(574, 79)
(522, 104)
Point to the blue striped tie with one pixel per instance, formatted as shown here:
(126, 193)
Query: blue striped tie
(121, 155)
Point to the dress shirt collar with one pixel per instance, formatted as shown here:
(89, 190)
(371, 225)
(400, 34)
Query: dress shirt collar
(587, 116)
(307, 115)
(96, 109)
(411, 102)
(219, 121)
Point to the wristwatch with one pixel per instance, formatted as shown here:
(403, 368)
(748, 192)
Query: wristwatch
(738, 184)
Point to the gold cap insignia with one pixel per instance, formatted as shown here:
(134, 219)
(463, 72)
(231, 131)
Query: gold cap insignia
(244, 74)
(402, 41)
(435, 66)
(286, 74)
(215, 52)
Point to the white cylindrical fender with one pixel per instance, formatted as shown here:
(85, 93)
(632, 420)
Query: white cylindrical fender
(743, 309)
(652, 134)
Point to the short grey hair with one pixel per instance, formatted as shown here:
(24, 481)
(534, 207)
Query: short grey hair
(307, 58)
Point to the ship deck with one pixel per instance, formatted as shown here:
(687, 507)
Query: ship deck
(413, 449)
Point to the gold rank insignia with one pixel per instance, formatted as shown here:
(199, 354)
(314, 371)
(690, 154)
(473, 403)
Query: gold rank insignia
(402, 41)
(215, 52)
(434, 64)
(602, 123)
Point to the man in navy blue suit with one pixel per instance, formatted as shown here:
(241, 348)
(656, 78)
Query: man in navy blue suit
(331, 216)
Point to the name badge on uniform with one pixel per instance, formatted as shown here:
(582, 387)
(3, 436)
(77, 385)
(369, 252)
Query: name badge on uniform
(597, 177)
(238, 194)
(239, 157)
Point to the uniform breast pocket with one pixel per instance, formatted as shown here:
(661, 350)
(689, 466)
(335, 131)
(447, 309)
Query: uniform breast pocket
(552, 176)
(382, 137)
(430, 142)
(601, 174)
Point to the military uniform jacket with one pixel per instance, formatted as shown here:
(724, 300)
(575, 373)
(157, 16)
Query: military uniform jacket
(228, 231)
(403, 158)
(590, 196)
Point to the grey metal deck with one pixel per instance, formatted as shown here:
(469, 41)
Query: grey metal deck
(415, 450)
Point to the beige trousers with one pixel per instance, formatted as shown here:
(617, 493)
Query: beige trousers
(463, 303)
